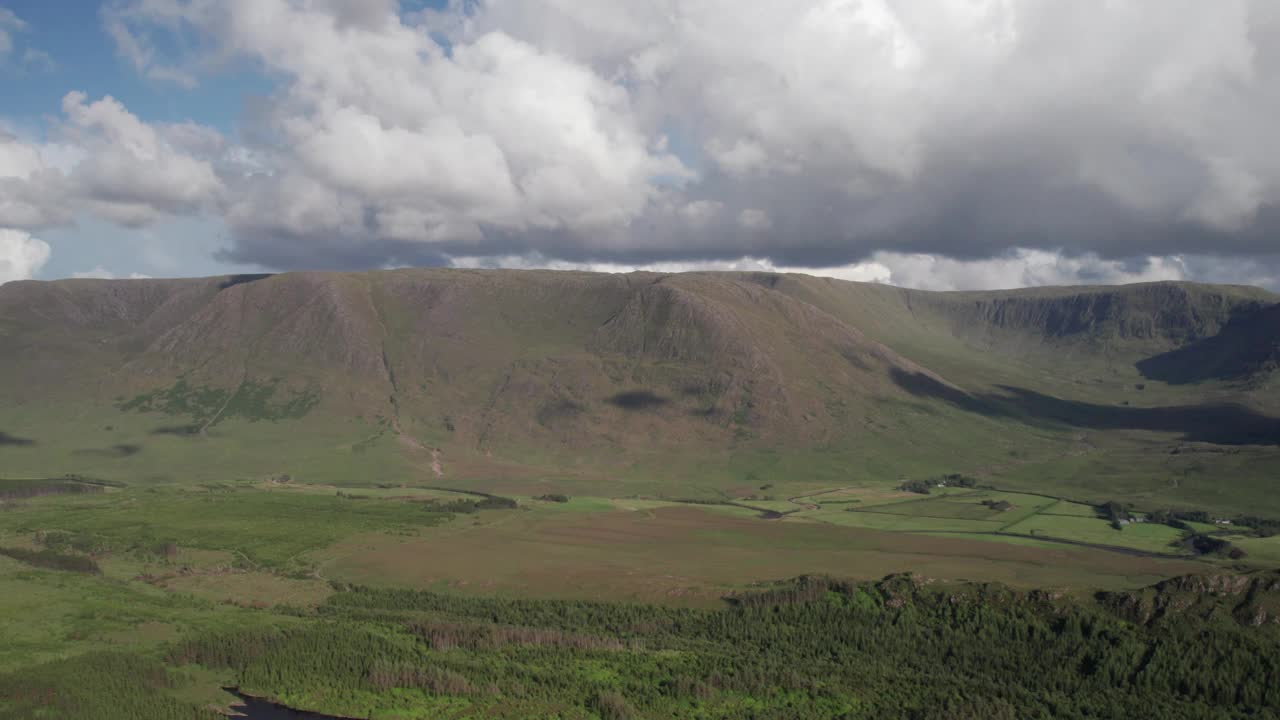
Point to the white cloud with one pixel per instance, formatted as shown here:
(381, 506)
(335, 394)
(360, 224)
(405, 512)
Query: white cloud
(891, 123)
(1023, 268)
(9, 24)
(386, 135)
(134, 173)
(18, 160)
(868, 137)
(32, 191)
(98, 272)
(21, 255)
(1020, 268)
(102, 273)
(20, 59)
(108, 162)
(141, 55)
(38, 60)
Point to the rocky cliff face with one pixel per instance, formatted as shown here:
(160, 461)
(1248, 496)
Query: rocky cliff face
(1247, 599)
(1147, 315)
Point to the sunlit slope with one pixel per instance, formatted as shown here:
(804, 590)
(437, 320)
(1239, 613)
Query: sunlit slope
(494, 364)
(701, 379)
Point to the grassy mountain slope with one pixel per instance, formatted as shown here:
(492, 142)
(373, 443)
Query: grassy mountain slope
(1040, 335)
(682, 384)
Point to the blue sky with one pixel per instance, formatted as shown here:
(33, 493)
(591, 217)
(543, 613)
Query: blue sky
(71, 50)
(83, 57)
(947, 146)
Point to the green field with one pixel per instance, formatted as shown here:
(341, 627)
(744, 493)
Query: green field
(263, 528)
(227, 582)
(905, 522)
(182, 562)
(1064, 507)
(46, 615)
(1140, 536)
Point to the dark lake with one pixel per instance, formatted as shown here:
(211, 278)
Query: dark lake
(255, 709)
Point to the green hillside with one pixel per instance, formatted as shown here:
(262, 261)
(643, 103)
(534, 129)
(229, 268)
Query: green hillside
(683, 385)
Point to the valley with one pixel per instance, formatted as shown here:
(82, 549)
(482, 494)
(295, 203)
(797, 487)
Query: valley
(243, 461)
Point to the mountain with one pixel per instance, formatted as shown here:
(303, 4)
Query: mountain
(529, 373)
(1247, 347)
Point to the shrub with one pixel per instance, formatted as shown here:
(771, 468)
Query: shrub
(922, 487)
(53, 560)
(611, 705)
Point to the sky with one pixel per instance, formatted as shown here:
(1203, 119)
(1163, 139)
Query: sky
(939, 144)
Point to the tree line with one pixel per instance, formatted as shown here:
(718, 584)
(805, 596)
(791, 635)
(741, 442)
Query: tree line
(815, 648)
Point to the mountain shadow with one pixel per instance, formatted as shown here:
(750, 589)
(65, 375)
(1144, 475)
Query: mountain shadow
(234, 280)
(558, 410)
(115, 451)
(7, 440)
(1247, 345)
(179, 430)
(1218, 423)
(637, 400)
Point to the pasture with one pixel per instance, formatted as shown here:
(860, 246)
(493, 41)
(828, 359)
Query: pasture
(692, 555)
(268, 543)
(1149, 537)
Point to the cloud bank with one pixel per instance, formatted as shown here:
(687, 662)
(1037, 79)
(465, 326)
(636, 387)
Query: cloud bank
(961, 143)
(21, 255)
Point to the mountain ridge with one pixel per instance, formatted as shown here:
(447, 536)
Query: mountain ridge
(593, 367)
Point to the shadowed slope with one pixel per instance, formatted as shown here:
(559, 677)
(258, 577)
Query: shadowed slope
(1247, 346)
(1219, 423)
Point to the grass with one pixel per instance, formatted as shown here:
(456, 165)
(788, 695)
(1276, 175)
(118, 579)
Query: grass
(237, 539)
(246, 548)
(693, 554)
(517, 398)
(1148, 475)
(264, 528)
(781, 506)
(582, 504)
(999, 537)
(364, 492)
(1071, 509)
(316, 449)
(1032, 520)
(1150, 537)
(967, 505)
(254, 589)
(46, 615)
(861, 497)
(1262, 551)
(901, 522)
